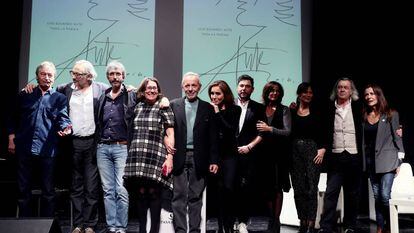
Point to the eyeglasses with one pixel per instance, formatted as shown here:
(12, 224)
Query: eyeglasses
(76, 74)
(151, 88)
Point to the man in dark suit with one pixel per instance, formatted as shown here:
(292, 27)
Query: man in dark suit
(196, 143)
(344, 157)
(247, 140)
(83, 95)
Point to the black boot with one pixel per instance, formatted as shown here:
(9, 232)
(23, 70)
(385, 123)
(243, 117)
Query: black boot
(273, 228)
(310, 230)
(303, 227)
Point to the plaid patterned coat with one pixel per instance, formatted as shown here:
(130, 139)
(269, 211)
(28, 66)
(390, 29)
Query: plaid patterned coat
(147, 151)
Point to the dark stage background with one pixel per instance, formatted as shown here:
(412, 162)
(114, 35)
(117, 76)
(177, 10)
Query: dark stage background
(365, 40)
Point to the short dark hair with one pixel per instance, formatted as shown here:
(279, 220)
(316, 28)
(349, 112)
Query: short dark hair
(246, 77)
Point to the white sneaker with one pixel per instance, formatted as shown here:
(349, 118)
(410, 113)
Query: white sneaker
(243, 228)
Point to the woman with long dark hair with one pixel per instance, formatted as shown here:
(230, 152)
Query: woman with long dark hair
(381, 149)
(227, 118)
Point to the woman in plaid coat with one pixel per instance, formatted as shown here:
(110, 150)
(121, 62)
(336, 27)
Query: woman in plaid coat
(149, 161)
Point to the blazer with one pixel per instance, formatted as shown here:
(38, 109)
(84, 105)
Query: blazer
(205, 136)
(97, 89)
(387, 144)
(255, 112)
(227, 121)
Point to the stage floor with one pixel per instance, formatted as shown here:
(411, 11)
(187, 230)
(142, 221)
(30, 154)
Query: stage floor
(259, 224)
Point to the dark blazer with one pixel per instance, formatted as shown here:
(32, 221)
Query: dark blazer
(205, 136)
(255, 112)
(357, 116)
(97, 89)
(228, 123)
(387, 145)
(129, 102)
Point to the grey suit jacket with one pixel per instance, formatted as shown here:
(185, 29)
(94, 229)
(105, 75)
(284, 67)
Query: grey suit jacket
(387, 145)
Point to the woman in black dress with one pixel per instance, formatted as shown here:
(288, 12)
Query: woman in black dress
(274, 159)
(227, 117)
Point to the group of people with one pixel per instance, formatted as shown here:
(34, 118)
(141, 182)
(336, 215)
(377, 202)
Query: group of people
(137, 141)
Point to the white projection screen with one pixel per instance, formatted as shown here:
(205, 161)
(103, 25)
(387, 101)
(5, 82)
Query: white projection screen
(64, 31)
(219, 39)
(224, 39)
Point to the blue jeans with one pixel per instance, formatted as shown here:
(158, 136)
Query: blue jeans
(111, 164)
(381, 186)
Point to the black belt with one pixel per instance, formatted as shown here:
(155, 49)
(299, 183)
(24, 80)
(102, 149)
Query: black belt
(84, 137)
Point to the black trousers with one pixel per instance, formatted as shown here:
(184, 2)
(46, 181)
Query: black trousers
(27, 166)
(187, 193)
(85, 183)
(344, 170)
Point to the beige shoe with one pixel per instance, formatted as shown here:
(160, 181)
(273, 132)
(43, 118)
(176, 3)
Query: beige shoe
(77, 230)
(89, 230)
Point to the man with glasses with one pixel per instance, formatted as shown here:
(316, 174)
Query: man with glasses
(83, 94)
(39, 118)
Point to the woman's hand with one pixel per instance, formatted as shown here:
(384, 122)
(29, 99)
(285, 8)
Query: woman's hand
(263, 127)
(397, 171)
(167, 166)
(169, 144)
(216, 107)
(319, 156)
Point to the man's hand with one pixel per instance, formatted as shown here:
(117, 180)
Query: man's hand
(66, 131)
(214, 168)
(164, 102)
(130, 88)
(29, 88)
(12, 147)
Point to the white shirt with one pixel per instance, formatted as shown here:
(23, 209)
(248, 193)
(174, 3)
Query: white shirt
(243, 112)
(81, 112)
